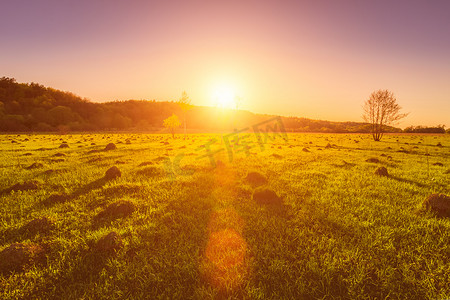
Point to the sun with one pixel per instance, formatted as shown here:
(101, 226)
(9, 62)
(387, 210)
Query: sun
(224, 97)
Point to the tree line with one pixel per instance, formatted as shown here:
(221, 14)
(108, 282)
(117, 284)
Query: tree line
(32, 107)
(424, 129)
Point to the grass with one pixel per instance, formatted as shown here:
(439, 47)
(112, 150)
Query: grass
(196, 232)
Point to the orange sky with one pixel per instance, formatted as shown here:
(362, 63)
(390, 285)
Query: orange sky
(318, 59)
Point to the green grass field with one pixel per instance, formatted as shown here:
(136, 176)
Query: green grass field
(188, 226)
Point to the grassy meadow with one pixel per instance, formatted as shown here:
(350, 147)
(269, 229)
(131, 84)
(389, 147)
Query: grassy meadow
(185, 220)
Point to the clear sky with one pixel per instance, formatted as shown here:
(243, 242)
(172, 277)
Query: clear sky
(314, 59)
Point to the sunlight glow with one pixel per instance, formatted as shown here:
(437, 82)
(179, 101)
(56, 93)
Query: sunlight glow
(224, 97)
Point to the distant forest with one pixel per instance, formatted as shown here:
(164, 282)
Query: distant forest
(423, 129)
(35, 108)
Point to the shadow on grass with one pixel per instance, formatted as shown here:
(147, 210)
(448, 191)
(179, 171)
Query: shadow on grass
(83, 271)
(344, 165)
(26, 232)
(274, 240)
(21, 233)
(56, 198)
(116, 210)
(96, 184)
(22, 186)
(407, 181)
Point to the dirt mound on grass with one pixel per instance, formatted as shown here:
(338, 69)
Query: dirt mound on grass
(109, 243)
(267, 197)
(25, 186)
(56, 198)
(57, 160)
(381, 171)
(40, 225)
(119, 209)
(145, 163)
(34, 166)
(110, 146)
(53, 171)
(439, 204)
(18, 256)
(151, 171)
(63, 146)
(373, 160)
(256, 179)
(345, 165)
(112, 173)
(93, 151)
(160, 158)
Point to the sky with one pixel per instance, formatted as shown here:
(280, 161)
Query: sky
(314, 59)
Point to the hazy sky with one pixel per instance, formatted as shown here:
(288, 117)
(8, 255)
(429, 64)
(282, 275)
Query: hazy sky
(315, 59)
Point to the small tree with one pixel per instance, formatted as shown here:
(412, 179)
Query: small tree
(185, 104)
(380, 110)
(172, 123)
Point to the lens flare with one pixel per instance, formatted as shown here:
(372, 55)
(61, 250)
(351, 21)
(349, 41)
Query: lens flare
(225, 266)
(225, 263)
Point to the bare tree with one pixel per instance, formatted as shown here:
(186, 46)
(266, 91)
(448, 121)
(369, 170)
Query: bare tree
(381, 110)
(185, 104)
